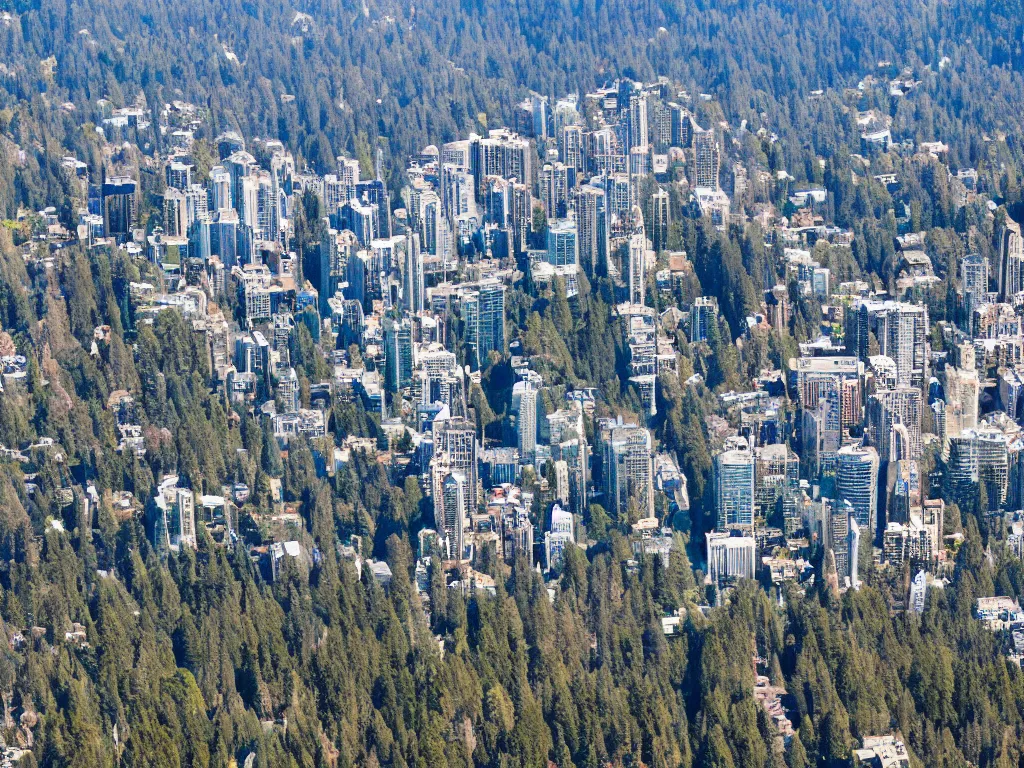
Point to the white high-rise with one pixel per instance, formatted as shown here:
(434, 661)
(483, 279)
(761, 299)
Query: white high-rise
(637, 259)
(730, 557)
(707, 159)
(524, 404)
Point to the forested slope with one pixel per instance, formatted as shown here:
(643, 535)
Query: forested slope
(201, 661)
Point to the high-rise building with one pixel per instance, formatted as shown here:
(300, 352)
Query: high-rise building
(703, 313)
(730, 557)
(361, 219)
(637, 120)
(555, 183)
(220, 188)
(497, 202)
(375, 193)
(1011, 261)
(980, 457)
(828, 393)
(777, 478)
(414, 292)
(853, 551)
(175, 213)
(591, 205)
(335, 192)
(566, 113)
(836, 515)
(458, 192)
(484, 319)
(571, 147)
(502, 153)
(455, 444)
(629, 470)
(239, 166)
(348, 174)
(857, 483)
(560, 535)
(562, 243)
(904, 489)
(224, 238)
(522, 216)
(430, 221)
(894, 423)
(174, 516)
(119, 207)
(637, 259)
(734, 489)
(452, 510)
(288, 389)
(903, 336)
(974, 278)
(620, 194)
(568, 442)
(659, 218)
(604, 151)
(661, 126)
(399, 353)
(539, 112)
(682, 126)
(524, 405)
(707, 159)
(517, 535)
(267, 221)
(324, 271)
(178, 175)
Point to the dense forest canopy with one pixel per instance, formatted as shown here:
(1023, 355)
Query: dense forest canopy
(200, 660)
